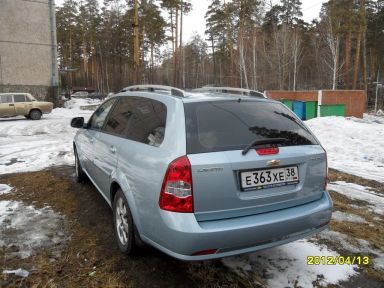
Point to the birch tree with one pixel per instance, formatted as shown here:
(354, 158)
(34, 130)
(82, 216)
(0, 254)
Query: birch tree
(332, 40)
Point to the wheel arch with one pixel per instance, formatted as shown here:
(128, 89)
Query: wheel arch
(122, 184)
(113, 190)
(35, 108)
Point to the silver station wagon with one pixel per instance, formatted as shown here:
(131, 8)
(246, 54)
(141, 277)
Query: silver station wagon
(206, 174)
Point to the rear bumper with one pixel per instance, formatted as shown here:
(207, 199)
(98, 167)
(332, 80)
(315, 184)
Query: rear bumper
(182, 236)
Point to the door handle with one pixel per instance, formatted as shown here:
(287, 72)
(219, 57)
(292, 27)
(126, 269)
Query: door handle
(11, 104)
(112, 149)
(91, 140)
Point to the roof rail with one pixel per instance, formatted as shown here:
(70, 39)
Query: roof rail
(174, 91)
(229, 90)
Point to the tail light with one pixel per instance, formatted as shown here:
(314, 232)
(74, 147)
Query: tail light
(267, 151)
(176, 191)
(326, 170)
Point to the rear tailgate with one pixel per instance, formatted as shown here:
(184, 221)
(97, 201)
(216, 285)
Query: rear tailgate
(217, 185)
(228, 184)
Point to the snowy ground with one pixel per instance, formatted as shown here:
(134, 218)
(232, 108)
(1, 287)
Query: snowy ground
(5, 189)
(355, 191)
(27, 145)
(354, 146)
(287, 266)
(29, 229)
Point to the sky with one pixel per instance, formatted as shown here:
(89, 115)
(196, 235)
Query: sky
(194, 22)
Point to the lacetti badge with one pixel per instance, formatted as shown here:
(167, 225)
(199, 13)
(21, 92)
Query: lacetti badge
(273, 163)
(213, 169)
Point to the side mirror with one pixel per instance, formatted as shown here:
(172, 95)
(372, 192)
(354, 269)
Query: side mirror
(77, 122)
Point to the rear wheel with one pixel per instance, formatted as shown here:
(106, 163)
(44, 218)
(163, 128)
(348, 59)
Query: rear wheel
(80, 175)
(123, 222)
(35, 114)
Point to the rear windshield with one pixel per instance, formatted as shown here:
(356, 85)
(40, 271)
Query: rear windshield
(232, 125)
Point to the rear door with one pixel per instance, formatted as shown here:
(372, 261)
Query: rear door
(7, 107)
(227, 183)
(108, 143)
(139, 119)
(21, 104)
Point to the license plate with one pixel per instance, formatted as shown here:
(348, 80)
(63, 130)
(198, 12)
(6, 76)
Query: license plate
(269, 178)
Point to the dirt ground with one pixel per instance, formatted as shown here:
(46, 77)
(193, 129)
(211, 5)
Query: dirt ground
(90, 258)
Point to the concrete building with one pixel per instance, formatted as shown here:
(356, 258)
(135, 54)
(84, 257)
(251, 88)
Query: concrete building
(28, 48)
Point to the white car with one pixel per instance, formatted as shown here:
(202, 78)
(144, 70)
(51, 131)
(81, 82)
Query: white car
(80, 94)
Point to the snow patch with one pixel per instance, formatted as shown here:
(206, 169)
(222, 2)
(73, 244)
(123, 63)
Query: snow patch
(25, 229)
(76, 103)
(355, 191)
(287, 266)
(5, 189)
(342, 216)
(353, 145)
(18, 272)
(363, 247)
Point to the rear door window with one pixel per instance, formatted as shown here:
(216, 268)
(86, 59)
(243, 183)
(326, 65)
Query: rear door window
(117, 122)
(232, 125)
(139, 119)
(19, 98)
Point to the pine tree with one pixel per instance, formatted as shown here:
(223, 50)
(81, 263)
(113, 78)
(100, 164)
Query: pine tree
(290, 12)
(155, 32)
(67, 39)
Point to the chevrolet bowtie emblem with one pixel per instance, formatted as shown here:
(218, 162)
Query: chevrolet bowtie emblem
(273, 163)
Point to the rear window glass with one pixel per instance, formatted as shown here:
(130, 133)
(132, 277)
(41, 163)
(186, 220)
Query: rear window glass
(232, 125)
(19, 98)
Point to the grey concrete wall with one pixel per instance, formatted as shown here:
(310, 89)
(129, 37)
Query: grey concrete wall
(25, 46)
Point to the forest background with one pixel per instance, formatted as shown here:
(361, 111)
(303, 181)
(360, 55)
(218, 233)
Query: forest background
(255, 44)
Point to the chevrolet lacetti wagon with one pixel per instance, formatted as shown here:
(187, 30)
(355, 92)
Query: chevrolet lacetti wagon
(203, 175)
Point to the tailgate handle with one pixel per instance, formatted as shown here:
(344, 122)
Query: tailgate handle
(11, 104)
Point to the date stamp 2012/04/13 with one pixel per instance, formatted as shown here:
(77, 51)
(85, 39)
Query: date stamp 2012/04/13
(338, 260)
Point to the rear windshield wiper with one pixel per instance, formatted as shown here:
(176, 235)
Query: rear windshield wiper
(263, 142)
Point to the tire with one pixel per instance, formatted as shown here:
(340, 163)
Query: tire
(26, 116)
(123, 224)
(81, 177)
(35, 114)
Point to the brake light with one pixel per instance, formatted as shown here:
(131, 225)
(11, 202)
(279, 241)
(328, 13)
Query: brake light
(267, 151)
(176, 191)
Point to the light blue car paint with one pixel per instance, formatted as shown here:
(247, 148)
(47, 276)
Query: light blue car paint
(225, 217)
